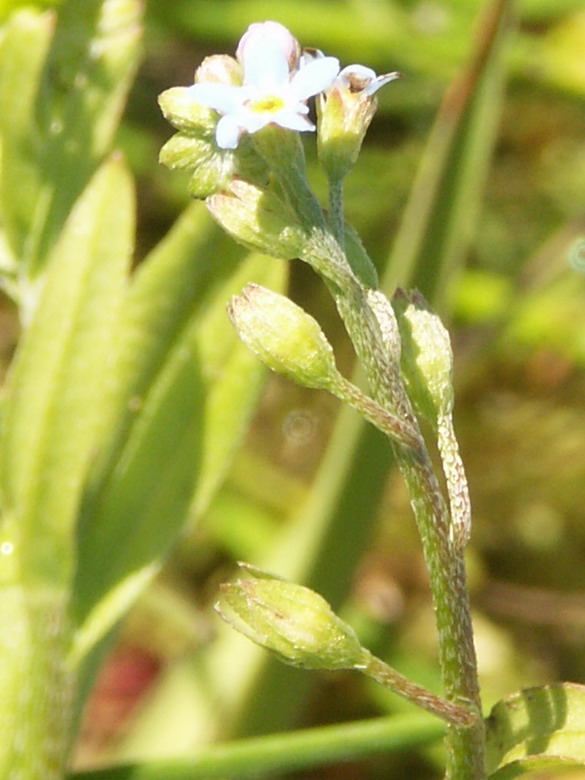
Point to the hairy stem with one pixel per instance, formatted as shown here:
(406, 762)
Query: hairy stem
(394, 681)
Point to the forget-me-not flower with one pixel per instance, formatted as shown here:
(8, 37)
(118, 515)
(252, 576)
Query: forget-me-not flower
(274, 88)
(362, 80)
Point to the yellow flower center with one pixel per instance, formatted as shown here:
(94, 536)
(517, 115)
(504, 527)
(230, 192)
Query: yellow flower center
(267, 105)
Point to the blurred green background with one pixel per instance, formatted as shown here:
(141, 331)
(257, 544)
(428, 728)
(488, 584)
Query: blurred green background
(516, 307)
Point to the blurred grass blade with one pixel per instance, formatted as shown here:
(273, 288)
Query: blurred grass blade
(441, 215)
(26, 41)
(230, 688)
(185, 390)
(538, 728)
(59, 108)
(281, 753)
(57, 386)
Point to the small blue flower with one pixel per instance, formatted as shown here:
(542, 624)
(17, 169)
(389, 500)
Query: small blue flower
(274, 89)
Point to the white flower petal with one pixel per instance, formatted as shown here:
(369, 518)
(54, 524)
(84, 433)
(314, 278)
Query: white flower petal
(224, 98)
(314, 77)
(253, 121)
(358, 72)
(227, 132)
(380, 81)
(287, 42)
(293, 121)
(265, 63)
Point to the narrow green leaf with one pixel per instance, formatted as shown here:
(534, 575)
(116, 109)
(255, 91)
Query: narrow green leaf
(441, 215)
(185, 390)
(26, 41)
(59, 112)
(278, 753)
(57, 386)
(537, 728)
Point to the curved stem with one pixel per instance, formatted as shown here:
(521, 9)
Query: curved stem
(454, 714)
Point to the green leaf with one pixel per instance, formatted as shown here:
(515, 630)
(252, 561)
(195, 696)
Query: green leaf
(536, 728)
(278, 753)
(57, 386)
(60, 103)
(440, 218)
(9, 6)
(185, 388)
(27, 38)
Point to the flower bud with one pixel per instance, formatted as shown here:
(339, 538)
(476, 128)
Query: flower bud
(292, 621)
(211, 171)
(179, 108)
(345, 113)
(426, 356)
(219, 69)
(284, 336)
(256, 217)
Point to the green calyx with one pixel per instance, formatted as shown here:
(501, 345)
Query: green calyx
(284, 337)
(290, 620)
(426, 356)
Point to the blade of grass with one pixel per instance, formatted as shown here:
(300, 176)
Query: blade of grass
(266, 756)
(60, 97)
(441, 215)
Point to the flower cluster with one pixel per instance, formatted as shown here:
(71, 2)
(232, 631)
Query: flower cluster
(269, 82)
(275, 87)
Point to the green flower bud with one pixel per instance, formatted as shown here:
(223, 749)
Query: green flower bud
(426, 359)
(194, 147)
(256, 217)
(184, 113)
(292, 621)
(345, 113)
(284, 337)
(212, 170)
(219, 69)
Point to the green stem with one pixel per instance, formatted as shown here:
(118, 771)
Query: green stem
(35, 684)
(454, 714)
(396, 428)
(446, 568)
(445, 560)
(336, 211)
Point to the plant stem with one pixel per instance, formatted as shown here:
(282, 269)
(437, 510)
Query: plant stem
(336, 212)
(394, 681)
(444, 559)
(35, 684)
(446, 566)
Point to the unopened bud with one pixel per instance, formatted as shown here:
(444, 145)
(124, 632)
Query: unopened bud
(256, 217)
(219, 69)
(426, 356)
(345, 113)
(179, 108)
(194, 147)
(284, 336)
(292, 621)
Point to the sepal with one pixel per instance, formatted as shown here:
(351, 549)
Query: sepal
(426, 356)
